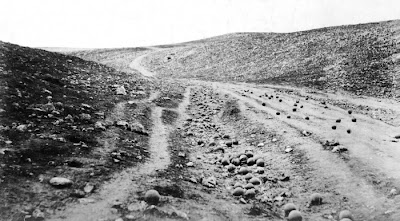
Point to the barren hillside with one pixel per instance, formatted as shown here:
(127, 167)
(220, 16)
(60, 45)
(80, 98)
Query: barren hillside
(361, 59)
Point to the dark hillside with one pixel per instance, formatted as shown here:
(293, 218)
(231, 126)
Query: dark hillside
(50, 108)
(361, 59)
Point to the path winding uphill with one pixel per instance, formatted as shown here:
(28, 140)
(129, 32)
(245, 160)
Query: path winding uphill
(352, 158)
(230, 151)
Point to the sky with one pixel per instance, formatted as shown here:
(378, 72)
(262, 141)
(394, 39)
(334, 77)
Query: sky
(133, 23)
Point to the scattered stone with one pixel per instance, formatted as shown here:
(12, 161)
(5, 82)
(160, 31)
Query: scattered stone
(60, 182)
(190, 164)
(277, 113)
(99, 125)
(182, 154)
(120, 90)
(338, 120)
(152, 197)
(235, 161)
(306, 133)
(22, 127)
(249, 154)
(288, 149)
(86, 200)
(339, 149)
(353, 120)
(307, 118)
(243, 158)
(288, 117)
(260, 145)
(334, 127)
(349, 111)
(88, 188)
(210, 182)
(348, 131)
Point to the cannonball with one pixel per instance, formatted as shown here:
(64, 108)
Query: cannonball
(255, 181)
(260, 163)
(152, 197)
(288, 207)
(295, 215)
(345, 214)
(238, 191)
(316, 199)
(251, 161)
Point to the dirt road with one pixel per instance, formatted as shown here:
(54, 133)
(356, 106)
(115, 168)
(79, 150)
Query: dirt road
(309, 141)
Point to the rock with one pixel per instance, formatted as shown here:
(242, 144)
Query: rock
(86, 201)
(260, 162)
(306, 133)
(295, 215)
(348, 131)
(260, 145)
(274, 139)
(88, 188)
(307, 118)
(120, 90)
(190, 164)
(339, 149)
(210, 182)
(288, 207)
(99, 125)
(346, 219)
(255, 181)
(316, 199)
(238, 184)
(349, 111)
(84, 116)
(345, 214)
(38, 215)
(338, 120)
(60, 182)
(288, 149)
(22, 127)
(334, 127)
(152, 197)
(137, 128)
(238, 191)
(354, 120)
(182, 154)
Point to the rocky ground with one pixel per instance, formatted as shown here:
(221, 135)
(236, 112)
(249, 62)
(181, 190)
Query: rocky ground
(87, 138)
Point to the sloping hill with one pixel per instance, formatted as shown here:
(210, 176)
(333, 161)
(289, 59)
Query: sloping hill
(50, 108)
(361, 59)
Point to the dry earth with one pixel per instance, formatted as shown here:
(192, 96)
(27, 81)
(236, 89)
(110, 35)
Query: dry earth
(201, 142)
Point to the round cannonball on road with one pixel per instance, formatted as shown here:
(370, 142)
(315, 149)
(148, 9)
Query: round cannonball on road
(295, 215)
(152, 197)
